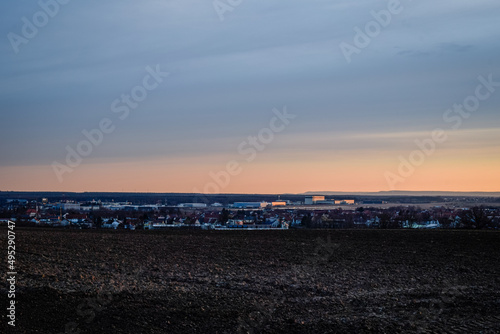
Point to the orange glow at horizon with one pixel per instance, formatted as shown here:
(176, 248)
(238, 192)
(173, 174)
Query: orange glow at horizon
(346, 172)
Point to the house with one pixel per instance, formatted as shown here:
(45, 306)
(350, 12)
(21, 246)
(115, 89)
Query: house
(31, 212)
(111, 224)
(431, 224)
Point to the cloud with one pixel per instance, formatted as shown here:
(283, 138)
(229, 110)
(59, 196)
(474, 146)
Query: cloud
(227, 76)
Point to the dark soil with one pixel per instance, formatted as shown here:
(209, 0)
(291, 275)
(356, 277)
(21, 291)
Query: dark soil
(296, 281)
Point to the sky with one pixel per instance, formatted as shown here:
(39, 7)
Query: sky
(249, 96)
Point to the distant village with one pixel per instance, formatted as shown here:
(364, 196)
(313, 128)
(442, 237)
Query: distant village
(312, 212)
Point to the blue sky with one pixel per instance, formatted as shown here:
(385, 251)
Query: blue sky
(226, 77)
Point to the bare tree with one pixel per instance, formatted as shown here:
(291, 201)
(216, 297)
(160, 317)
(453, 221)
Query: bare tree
(475, 217)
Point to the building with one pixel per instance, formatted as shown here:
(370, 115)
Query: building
(70, 206)
(279, 203)
(345, 201)
(17, 201)
(310, 200)
(325, 202)
(192, 205)
(250, 205)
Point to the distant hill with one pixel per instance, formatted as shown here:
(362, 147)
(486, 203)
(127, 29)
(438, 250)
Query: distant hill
(407, 193)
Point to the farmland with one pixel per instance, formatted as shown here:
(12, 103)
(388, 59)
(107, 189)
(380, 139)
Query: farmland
(295, 281)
